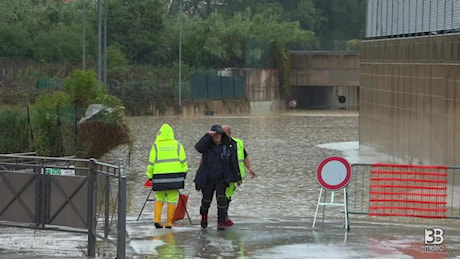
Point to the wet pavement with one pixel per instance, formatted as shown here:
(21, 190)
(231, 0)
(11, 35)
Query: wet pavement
(253, 238)
(287, 239)
(290, 239)
(273, 213)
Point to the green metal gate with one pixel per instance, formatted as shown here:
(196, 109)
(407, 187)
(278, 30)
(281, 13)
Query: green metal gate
(217, 87)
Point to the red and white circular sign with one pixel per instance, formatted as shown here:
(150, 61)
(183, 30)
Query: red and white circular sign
(334, 173)
(293, 103)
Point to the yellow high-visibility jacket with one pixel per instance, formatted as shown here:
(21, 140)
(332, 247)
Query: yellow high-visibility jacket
(167, 165)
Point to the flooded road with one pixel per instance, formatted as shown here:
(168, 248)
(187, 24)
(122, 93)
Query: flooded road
(273, 213)
(282, 150)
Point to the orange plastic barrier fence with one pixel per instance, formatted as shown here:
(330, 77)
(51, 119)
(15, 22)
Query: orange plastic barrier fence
(408, 190)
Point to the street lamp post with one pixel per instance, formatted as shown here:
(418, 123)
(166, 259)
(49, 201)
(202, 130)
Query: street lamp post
(83, 40)
(99, 44)
(180, 53)
(104, 77)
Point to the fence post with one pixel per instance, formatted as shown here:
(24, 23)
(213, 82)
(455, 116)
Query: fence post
(39, 174)
(121, 233)
(91, 220)
(107, 206)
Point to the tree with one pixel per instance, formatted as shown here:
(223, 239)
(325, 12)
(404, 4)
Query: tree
(14, 41)
(231, 7)
(58, 45)
(81, 85)
(306, 13)
(139, 27)
(345, 20)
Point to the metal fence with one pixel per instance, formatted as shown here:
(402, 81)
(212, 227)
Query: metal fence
(51, 131)
(359, 190)
(206, 87)
(65, 193)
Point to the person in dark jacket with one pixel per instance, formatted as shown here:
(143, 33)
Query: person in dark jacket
(218, 168)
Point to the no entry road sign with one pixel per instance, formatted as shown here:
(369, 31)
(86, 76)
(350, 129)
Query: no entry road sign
(334, 173)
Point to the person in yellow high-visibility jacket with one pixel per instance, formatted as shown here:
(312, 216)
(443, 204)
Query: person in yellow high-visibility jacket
(167, 169)
(243, 160)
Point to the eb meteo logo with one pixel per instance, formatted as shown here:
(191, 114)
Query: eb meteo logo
(434, 237)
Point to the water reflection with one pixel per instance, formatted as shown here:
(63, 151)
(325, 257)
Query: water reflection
(282, 149)
(166, 247)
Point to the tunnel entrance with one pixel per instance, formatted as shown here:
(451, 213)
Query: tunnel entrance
(313, 97)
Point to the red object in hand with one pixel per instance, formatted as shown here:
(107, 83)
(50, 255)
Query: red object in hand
(148, 184)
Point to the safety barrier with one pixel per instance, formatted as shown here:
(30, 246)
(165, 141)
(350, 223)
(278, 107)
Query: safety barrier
(408, 190)
(63, 193)
(404, 190)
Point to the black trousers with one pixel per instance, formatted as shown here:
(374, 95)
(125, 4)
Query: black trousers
(218, 186)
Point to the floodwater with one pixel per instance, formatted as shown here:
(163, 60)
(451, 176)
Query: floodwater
(273, 212)
(283, 151)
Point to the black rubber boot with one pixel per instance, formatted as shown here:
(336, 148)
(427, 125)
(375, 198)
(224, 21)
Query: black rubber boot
(220, 226)
(158, 225)
(204, 221)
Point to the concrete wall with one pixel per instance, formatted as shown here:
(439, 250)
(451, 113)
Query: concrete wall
(336, 72)
(261, 96)
(325, 69)
(261, 89)
(218, 107)
(410, 98)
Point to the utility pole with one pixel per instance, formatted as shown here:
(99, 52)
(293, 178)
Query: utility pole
(99, 44)
(180, 53)
(105, 42)
(83, 37)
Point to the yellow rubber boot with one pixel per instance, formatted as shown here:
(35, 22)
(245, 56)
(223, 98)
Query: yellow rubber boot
(157, 215)
(171, 211)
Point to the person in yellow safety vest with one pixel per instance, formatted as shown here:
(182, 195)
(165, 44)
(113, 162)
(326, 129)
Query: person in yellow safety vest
(243, 160)
(167, 169)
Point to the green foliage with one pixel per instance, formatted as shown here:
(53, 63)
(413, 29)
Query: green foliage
(280, 35)
(115, 57)
(14, 131)
(233, 33)
(354, 45)
(55, 115)
(220, 42)
(58, 44)
(139, 28)
(82, 87)
(15, 11)
(343, 20)
(305, 12)
(256, 6)
(14, 41)
(53, 118)
(19, 85)
(114, 103)
(47, 31)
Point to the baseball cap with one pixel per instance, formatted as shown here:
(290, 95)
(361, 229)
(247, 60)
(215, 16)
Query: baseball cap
(218, 129)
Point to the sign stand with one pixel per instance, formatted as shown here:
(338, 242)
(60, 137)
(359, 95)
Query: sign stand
(332, 203)
(334, 173)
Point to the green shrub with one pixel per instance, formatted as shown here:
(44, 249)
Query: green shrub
(82, 86)
(53, 123)
(55, 117)
(14, 131)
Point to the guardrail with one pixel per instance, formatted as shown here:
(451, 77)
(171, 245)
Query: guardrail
(56, 188)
